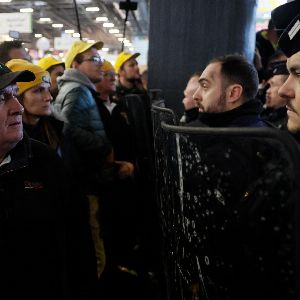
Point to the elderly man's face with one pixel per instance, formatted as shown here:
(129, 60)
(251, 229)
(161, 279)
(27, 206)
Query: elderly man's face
(291, 92)
(11, 128)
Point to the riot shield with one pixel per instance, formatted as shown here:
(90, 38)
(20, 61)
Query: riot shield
(229, 212)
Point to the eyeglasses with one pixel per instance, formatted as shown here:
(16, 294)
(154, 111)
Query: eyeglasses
(97, 60)
(109, 74)
(8, 93)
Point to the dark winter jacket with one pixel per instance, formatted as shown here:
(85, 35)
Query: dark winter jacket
(277, 117)
(48, 130)
(85, 143)
(118, 130)
(32, 231)
(246, 115)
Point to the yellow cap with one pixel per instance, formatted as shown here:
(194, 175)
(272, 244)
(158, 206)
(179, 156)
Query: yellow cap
(79, 47)
(21, 65)
(122, 58)
(107, 66)
(49, 61)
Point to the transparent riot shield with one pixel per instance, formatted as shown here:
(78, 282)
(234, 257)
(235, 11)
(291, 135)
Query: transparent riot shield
(229, 209)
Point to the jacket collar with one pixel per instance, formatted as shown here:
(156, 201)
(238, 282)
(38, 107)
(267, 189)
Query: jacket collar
(20, 156)
(74, 75)
(244, 115)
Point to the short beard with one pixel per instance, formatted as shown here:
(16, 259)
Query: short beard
(133, 80)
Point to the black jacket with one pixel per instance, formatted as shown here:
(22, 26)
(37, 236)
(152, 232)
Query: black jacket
(119, 131)
(48, 130)
(246, 115)
(32, 231)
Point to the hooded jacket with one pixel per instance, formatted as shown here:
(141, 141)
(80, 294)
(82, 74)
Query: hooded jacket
(86, 144)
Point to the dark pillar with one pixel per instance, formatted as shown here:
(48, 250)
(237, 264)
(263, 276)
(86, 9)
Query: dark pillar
(185, 34)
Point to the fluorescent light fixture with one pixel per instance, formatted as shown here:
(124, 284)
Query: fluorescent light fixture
(5, 1)
(84, 1)
(114, 30)
(119, 35)
(101, 19)
(94, 8)
(108, 25)
(105, 49)
(57, 25)
(91, 41)
(26, 10)
(69, 31)
(39, 3)
(76, 35)
(45, 20)
(38, 35)
(131, 49)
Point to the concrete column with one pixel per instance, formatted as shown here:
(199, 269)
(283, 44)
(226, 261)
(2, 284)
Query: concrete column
(185, 34)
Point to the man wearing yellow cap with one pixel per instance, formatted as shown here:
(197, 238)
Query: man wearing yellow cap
(55, 68)
(127, 68)
(88, 152)
(114, 116)
(86, 145)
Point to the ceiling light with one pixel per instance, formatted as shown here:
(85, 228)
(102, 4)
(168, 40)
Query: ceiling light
(26, 10)
(94, 8)
(45, 20)
(38, 35)
(39, 3)
(105, 49)
(76, 35)
(101, 19)
(57, 25)
(131, 49)
(91, 41)
(108, 25)
(5, 1)
(119, 35)
(114, 30)
(121, 39)
(69, 31)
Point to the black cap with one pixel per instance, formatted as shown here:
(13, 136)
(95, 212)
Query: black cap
(289, 41)
(278, 68)
(8, 77)
(284, 14)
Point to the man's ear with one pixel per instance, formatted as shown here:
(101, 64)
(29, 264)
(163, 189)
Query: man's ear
(234, 93)
(74, 64)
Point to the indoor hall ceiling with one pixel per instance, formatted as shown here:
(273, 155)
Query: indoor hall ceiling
(63, 12)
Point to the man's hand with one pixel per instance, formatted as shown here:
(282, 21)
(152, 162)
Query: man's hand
(126, 169)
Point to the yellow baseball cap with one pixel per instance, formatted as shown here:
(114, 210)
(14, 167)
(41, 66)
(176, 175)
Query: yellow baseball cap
(122, 58)
(79, 47)
(107, 66)
(49, 61)
(22, 65)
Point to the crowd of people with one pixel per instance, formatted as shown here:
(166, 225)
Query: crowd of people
(76, 179)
